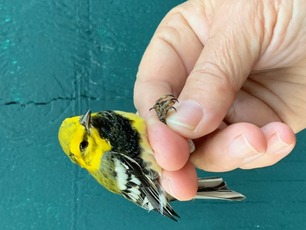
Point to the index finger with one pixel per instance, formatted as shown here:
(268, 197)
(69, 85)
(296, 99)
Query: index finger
(170, 56)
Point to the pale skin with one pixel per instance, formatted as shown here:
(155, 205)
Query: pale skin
(238, 69)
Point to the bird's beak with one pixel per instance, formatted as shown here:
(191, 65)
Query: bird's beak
(86, 120)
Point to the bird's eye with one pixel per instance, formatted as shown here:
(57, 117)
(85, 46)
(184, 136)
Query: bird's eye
(83, 145)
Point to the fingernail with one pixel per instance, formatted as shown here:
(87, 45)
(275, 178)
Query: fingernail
(191, 146)
(188, 115)
(251, 158)
(166, 183)
(276, 145)
(241, 148)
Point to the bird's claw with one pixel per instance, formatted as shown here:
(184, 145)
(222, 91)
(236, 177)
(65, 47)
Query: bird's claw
(163, 105)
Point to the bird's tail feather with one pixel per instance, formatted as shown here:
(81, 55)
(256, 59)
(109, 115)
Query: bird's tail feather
(216, 188)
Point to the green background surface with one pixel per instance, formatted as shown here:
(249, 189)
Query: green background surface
(60, 57)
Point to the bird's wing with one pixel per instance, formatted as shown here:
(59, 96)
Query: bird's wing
(137, 186)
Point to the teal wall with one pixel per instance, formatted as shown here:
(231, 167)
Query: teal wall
(59, 58)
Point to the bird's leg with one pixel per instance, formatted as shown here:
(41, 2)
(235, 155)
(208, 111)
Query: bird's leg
(163, 105)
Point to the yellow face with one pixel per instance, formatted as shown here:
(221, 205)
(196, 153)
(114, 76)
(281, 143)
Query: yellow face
(83, 147)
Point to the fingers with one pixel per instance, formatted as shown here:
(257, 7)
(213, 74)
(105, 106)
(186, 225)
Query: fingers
(171, 151)
(170, 56)
(227, 149)
(212, 85)
(246, 106)
(204, 56)
(244, 145)
(181, 184)
(280, 142)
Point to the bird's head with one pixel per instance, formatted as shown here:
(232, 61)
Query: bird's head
(81, 141)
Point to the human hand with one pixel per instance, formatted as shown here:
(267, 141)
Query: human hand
(239, 70)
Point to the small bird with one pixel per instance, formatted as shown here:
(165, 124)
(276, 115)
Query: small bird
(113, 147)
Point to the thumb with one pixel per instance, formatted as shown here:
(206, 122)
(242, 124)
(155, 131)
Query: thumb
(221, 69)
